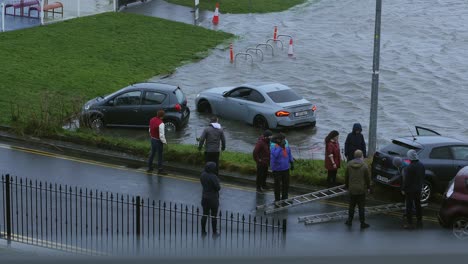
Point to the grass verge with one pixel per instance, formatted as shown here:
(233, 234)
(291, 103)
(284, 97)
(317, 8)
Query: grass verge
(242, 6)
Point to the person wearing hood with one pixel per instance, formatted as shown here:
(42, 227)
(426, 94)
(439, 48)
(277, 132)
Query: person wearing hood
(281, 161)
(357, 182)
(210, 197)
(354, 141)
(212, 137)
(261, 156)
(411, 187)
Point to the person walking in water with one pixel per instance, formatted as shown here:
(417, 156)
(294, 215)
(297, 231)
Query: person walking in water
(261, 156)
(210, 197)
(354, 141)
(332, 157)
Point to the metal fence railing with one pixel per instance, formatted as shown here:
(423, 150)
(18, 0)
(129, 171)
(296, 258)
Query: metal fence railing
(104, 223)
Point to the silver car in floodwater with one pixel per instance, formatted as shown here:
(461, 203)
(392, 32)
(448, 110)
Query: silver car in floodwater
(262, 104)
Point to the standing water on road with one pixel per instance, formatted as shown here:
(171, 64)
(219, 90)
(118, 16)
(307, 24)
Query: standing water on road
(422, 78)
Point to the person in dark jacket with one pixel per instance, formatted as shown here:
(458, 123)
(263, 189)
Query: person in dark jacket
(211, 137)
(411, 188)
(261, 155)
(357, 182)
(281, 161)
(355, 141)
(332, 157)
(210, 196)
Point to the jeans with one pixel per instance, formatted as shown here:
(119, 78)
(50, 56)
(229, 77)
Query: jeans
(210, 207)
(214, 157)
(360, 201)
(156, 146)
(262, 172)
(281, 179)
(413, 201)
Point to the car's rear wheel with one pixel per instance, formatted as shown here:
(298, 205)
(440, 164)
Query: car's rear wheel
(170, 126)
(204, 107)
(460, 227)
(96, 122)
(426, 192)
(260, 122)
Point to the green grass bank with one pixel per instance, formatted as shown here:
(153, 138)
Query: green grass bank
(242, 6)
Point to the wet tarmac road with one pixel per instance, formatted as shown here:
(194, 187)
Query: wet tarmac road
(320, 239)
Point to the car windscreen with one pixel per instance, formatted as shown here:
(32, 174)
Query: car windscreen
(180, 96)
(284, 96)
(397, 148)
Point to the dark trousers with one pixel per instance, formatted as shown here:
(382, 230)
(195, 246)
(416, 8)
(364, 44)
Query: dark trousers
(210, 207)
(262, 172)
(360, 201)
(214, 157)
(413, 201)
(281, 179)
(156, 146)
(331, 178)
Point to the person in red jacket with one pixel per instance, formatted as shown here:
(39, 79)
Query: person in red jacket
(261, 155)
(332, 157)
(156, 130)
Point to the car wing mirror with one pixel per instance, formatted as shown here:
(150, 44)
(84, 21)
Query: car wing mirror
(110, 102)
(225, 94)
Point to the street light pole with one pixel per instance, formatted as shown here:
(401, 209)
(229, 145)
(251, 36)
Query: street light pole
(375, 82)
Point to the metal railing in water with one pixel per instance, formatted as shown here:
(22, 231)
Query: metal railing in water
(104, 223)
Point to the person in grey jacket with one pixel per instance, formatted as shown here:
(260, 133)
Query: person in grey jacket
(357, 182)
(210, 196)
(212, 137)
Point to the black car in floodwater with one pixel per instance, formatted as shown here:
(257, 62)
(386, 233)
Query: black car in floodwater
(135, 105)
(442, 157)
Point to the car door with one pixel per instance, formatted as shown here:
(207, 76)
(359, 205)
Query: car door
(124, 109)
(235, 104)
(422, 131)
(441, 164)
(460, 158)
(152, 102)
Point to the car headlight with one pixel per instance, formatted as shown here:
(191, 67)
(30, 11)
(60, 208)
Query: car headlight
(198, 95)
(450, 189)
(87, 107)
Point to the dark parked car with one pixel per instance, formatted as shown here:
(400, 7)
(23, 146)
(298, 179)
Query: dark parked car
(135, 105)
(454, 210)
(442, 157)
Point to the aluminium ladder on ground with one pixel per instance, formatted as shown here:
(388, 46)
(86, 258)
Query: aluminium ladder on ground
(302, 199)
(340, 215)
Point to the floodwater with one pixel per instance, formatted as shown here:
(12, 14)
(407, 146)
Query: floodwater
(422, 70)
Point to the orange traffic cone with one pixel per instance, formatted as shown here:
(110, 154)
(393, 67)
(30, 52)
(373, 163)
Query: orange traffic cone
(216, 15)
(275, 33)
(231, 53)
(290, 50)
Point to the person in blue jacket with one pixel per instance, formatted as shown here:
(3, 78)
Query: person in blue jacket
(281, 161)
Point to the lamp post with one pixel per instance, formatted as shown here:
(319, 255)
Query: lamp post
(375, 82)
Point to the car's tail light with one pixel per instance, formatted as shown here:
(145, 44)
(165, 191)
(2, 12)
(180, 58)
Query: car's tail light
(282, 113)
(178, 107)
(314, 108)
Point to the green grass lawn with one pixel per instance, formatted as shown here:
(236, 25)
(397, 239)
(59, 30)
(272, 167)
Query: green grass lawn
(82, 58)
(242, 6)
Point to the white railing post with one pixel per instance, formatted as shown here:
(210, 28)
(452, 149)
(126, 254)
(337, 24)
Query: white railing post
(3, 16)
(79, 7)
(41, 11)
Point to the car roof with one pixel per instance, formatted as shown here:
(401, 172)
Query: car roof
(419, 141)
(267, 86)
(152, 85)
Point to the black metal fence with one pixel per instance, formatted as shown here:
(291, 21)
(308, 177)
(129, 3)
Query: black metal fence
(103, 223)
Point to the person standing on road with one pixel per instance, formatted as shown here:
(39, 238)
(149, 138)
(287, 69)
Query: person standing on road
(158, 139)
(332, 157)
(261, 156)
(211, 137)
(357, 182)
(354, 141)
(210, 196)
(411, 188)
(281, 161)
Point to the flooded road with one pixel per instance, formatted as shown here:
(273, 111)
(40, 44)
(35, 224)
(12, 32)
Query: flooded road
(422, 79)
